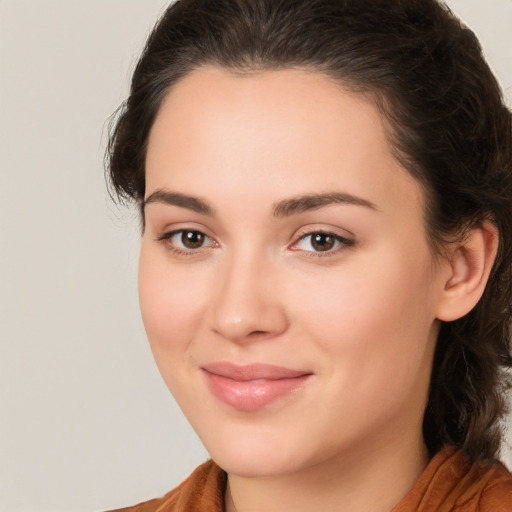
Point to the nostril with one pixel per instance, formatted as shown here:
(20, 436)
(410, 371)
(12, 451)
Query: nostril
(256, 333)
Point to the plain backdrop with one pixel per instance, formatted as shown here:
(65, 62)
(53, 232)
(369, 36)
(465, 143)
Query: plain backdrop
(86, 424)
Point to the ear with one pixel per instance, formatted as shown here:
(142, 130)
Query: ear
(470, 262)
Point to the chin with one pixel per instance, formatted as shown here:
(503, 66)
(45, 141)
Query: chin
(260, 456)
(255, 455)
(256, 465)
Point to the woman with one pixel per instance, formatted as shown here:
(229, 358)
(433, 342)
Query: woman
(325, 190)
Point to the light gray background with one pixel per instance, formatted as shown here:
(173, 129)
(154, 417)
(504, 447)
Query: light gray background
(85, 422)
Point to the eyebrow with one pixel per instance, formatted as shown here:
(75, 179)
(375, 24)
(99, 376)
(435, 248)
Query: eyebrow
(309, 202)
(182, 200)
(284, 208)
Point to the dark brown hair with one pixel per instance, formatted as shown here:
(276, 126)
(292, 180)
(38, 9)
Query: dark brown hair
(448, 125)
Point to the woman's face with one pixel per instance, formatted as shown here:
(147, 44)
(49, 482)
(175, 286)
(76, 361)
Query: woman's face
(286, 284)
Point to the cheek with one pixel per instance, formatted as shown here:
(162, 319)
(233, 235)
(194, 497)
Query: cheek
(371, 317)
(170, 305)
(375, 336)
(368, 299)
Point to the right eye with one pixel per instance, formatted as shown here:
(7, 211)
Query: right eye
(186, 241)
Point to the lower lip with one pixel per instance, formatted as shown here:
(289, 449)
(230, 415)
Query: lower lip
(253, 394)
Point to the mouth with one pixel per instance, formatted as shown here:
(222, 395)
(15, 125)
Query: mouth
(252, 387)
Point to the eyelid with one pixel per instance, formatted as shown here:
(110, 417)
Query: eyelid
(166, 230)
(345, 241)
(166, 235)
(326, 229)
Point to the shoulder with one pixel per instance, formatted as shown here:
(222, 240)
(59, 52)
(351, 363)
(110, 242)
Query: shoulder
(492, 485)
(203, 490)
(450, 484)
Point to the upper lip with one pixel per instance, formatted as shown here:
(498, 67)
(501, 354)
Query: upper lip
(254, 371)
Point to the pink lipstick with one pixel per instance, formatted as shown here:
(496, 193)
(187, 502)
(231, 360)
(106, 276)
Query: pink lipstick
(251, 387)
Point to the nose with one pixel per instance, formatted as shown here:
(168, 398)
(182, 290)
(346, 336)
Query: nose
(247, 305)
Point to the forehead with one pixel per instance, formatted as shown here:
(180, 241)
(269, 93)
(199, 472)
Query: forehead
(292, 126)
(211, 96)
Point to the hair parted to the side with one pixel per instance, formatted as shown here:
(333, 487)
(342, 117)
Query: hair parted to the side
(448, 125)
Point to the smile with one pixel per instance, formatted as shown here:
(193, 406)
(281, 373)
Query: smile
(252, 387)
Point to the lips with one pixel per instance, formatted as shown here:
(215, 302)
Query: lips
(252, 387)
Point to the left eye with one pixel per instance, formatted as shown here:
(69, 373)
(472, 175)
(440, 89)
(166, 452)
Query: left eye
(187, 239)
(321, 242)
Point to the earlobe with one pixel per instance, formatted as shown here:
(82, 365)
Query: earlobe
(470, 264)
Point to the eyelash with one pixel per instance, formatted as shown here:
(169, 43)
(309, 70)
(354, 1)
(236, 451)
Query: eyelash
(343, 243)
(166, 238)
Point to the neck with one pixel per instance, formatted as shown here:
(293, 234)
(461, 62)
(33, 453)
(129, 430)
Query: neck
(371, 479)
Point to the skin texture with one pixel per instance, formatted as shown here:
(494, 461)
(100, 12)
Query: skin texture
(361, 318)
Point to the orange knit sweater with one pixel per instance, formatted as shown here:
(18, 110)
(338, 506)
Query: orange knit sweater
(446, 485)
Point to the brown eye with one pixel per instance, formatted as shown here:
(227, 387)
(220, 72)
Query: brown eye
(186, 241)
(192, 239)
(322, 241)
